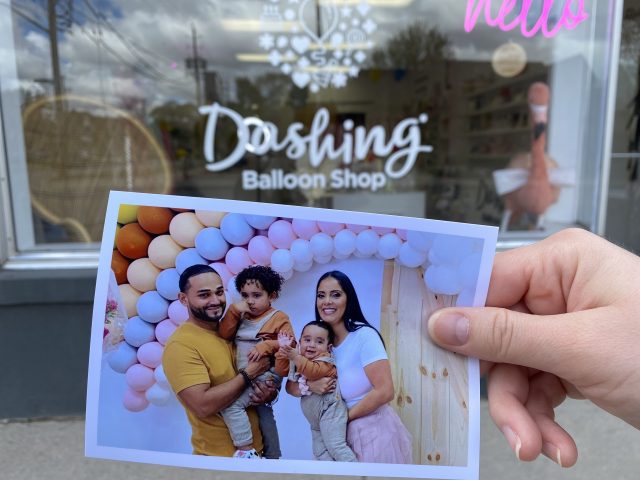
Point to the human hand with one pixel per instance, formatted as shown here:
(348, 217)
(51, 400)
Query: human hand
(322, 385)
(257, 367)
(263, 392)
(565, 326)
(284, 339)
(288, 351)
(254, 355)
(242, 306)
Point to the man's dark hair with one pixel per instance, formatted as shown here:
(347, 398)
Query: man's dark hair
(270, 280)
(192, 271)
(321, 324)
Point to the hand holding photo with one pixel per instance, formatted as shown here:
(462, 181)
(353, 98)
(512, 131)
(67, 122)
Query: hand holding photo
(212, 305)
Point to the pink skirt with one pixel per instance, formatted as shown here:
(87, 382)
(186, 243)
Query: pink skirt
(380, 437)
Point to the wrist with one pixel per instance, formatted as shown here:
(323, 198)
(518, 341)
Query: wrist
(248, 380)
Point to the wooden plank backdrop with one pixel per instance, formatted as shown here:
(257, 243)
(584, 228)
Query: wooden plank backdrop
(431, 384)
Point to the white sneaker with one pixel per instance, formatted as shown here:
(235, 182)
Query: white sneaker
(246, 454)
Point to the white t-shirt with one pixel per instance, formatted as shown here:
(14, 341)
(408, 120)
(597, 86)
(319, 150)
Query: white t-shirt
(357, 350)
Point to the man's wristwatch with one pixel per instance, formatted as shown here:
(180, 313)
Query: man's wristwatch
(245, 376)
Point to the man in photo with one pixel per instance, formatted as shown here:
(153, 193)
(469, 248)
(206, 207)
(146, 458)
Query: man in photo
(200, 367)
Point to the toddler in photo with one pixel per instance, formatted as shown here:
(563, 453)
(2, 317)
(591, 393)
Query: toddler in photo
(254, 326)
(327, 414)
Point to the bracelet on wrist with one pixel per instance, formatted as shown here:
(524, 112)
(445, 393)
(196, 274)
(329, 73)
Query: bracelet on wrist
(245, 376)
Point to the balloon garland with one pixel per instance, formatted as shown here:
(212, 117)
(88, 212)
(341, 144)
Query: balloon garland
(154, 245)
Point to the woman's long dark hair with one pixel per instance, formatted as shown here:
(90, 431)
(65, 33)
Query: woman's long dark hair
(353, 317)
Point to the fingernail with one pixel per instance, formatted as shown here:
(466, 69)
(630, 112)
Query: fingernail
(553, 452)
(451, 328)
(513, 439)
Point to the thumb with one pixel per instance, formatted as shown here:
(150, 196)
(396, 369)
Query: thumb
(499, 335)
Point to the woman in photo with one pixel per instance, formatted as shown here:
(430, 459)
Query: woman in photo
(375, 433)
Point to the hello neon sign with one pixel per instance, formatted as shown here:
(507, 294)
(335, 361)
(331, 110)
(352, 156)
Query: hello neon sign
(569, 19)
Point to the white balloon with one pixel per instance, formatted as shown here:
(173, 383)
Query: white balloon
(469, 269)
(345, 242)
(367, 242)
(442, 279)
(420, 241)
(158, 395)
(389, 246)
(161, 378)
(451, 249)
(288, 274)
(302, 267)
(340, 256)
(323, 260)
(281, 260)
(409, 257)
(301, 251)
(321, 245)
(465, 298)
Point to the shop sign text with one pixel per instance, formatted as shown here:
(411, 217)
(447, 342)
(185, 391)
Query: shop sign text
(569, 18)
(400, 149)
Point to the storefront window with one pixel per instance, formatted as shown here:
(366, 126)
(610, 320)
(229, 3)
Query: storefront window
(623, 212)
(419, 108)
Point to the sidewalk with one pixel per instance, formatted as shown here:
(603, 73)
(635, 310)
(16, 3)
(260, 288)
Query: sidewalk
(54, 450)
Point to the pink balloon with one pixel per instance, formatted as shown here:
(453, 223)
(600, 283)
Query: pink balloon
(178, 313)
(150, 354)
(281, 234)
(222, 270)
(237, 259)
(260, 250)
(139, 377)
(134, 401)
(356, 228)
(304, 228)
(330, 228)
(164, 330)
(401, 233)
(382, 230)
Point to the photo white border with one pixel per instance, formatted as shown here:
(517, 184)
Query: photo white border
(489, 236)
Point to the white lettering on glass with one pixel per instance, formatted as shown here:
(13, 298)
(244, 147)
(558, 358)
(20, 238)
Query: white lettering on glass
(569, 18)
(260, 137)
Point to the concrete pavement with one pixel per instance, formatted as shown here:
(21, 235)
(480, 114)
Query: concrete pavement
(54, 450)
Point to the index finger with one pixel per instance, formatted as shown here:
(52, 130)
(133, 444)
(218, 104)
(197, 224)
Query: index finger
(538, 276)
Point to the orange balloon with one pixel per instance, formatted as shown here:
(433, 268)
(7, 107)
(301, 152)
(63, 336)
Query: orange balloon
(119, 265)
(132, 241)
(155, 219)
(182, 210)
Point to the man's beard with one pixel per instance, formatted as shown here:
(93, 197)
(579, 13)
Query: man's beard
(201, 314)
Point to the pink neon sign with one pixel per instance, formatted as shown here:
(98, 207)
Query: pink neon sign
(568, 20)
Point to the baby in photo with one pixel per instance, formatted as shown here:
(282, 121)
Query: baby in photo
(327, 414)
(253, 324)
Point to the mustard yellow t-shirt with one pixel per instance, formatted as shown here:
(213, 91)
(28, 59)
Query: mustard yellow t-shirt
(193, 356)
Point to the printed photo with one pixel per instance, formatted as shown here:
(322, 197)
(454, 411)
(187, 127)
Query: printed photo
(294, 337)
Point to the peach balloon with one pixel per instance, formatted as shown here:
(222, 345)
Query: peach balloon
(139, 377)
(155, 219)
(210, 219)
(142, 275)
(163, 251)
(119, 265)
(132, 241)
(150, 354)
(130, 299)
(134, 401)
(164, 330)
(184, 227)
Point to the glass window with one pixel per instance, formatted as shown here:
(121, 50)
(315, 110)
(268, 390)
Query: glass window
(623, 208)
(458, 110)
